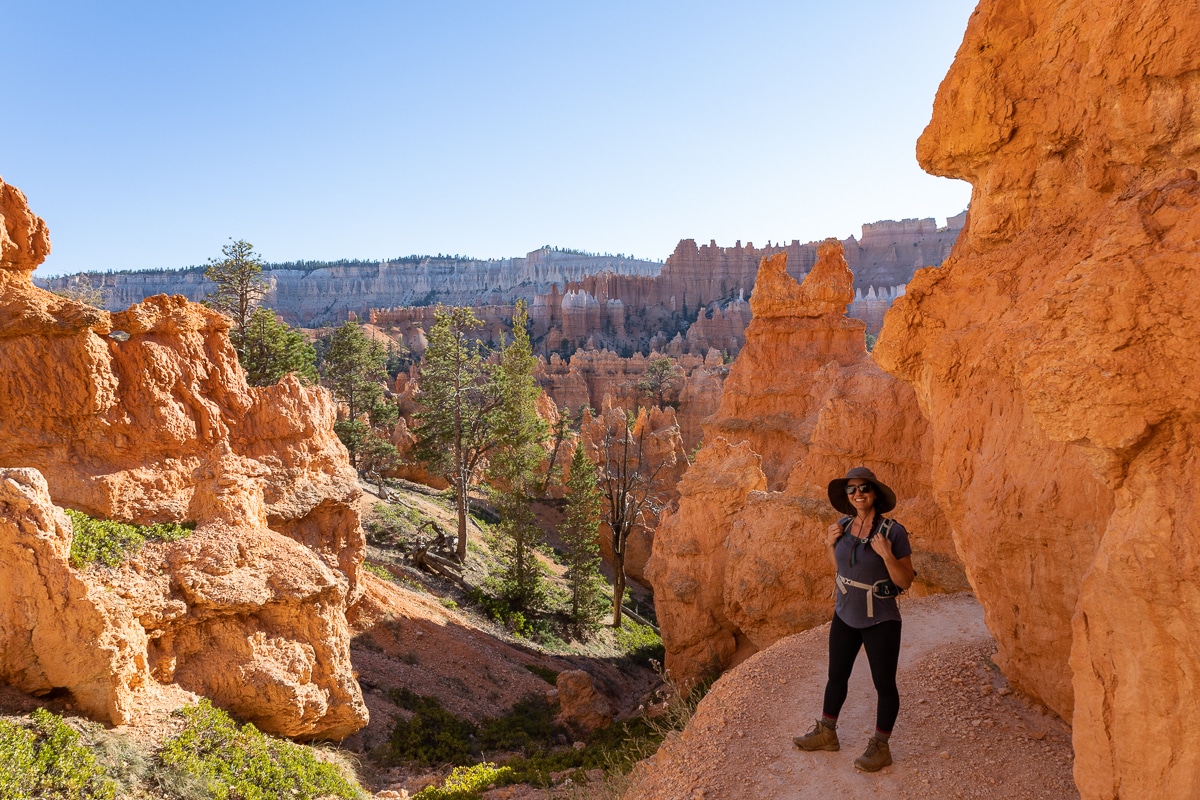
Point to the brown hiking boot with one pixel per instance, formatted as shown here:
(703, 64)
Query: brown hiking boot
(823, 736)
(877, 756)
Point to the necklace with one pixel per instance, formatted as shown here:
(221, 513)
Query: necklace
(858, 539)
(863, 524)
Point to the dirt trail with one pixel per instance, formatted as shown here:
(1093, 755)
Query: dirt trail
(962, 732)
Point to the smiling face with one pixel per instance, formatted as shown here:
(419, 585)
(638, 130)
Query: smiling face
(861, 494)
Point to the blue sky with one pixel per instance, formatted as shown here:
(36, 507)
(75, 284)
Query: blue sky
(148, 133)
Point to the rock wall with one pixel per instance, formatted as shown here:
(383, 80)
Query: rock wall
(326, 296)
(597, 378)
(145, 416)
(1063, 399)
(741, 563)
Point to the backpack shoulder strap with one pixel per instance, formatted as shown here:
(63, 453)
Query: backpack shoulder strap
(886, 527)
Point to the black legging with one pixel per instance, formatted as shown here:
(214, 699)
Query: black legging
(883, 653)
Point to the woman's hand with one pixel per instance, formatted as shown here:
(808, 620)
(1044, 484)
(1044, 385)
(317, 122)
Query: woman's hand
(832, 534)
(900, 570)
(882, 547)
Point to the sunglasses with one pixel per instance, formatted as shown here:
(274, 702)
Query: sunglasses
(865, 488)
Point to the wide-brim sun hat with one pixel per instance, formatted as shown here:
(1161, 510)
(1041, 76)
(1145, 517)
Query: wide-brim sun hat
(885, 498)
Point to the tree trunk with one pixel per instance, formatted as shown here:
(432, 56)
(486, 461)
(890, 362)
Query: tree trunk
(462, 524)
(618, 585)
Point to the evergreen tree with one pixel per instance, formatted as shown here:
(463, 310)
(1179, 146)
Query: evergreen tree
(376, 456)
(355, 371)
(659, 379)
(558, 435)
(239, 284)
(271, 350)
(460, 401)
(513, 469)
(579, 533)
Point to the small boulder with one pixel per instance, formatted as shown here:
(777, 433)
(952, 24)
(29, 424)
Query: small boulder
(583, 707)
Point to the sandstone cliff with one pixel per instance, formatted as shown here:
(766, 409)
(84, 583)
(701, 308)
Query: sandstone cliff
(145, 416)
(741, 564)
(1063, 401)
(595, 378)
(328, 295)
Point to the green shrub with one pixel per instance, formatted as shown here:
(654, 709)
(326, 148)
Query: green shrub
(614, 749)
(107, 542)
(235, 763)
(377, 571)
(17, 771)
(527, 725)
(499, 610)
(392, 525)
(50, 761)
(432, 735)
(545, 673)
(467, 783)
(639, 642)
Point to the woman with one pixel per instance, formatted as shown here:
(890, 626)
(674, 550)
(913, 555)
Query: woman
(873, 560)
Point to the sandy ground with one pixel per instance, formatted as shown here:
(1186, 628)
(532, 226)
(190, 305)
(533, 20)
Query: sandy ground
(962, 732)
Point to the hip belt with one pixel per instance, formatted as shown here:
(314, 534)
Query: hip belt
(882, 589)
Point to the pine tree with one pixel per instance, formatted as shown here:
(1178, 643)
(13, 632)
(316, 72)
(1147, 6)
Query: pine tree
(513, 469)
(376, 456)
(558, 435)
(659, 379)
(460, 401)
(355, 371)
(238, 284)
(579, 533)
(271, 350)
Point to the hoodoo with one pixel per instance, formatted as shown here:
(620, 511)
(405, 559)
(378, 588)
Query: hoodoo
(145, 416)
(740, 564)
(1054, 355)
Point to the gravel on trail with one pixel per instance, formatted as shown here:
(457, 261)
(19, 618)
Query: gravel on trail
(962, 733)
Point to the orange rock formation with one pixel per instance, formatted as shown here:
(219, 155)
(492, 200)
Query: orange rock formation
(741, 564)
(594, 378)
(158, 424)
(1063, 399)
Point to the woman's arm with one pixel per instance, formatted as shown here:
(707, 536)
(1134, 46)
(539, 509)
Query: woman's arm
(900, 570)
(832, 534)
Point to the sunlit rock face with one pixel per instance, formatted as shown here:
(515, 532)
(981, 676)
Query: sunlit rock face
(741, 563)
(1054, 355)
(145, 416)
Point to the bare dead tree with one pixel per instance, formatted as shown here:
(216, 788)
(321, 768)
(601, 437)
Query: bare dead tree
(629, 463)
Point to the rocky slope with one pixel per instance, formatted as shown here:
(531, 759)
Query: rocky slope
(145, 416)
(740, 564)
(1054, 356)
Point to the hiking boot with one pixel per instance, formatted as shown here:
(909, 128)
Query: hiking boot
(823, 736)
(877, 756)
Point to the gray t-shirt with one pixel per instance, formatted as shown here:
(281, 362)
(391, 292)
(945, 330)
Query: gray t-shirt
(868, 568)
